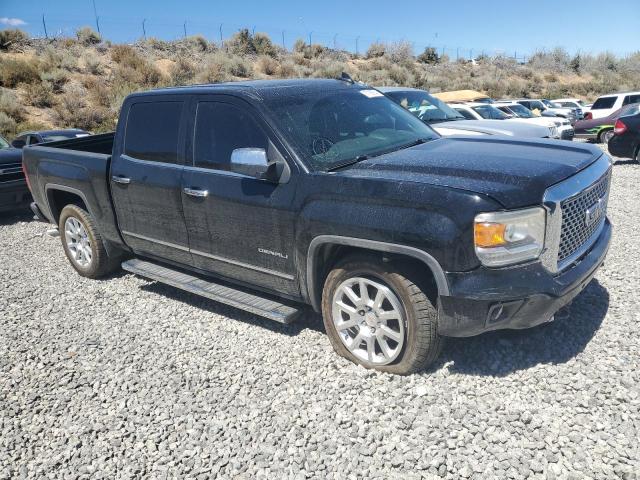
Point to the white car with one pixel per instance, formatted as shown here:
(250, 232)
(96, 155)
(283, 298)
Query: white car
(521, 113)
(483, 111)
(605, 105)
(573, 103)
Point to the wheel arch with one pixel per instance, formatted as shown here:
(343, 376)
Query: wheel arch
(328, 247)
(59, 196)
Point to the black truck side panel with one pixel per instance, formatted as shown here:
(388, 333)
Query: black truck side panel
(64, 167)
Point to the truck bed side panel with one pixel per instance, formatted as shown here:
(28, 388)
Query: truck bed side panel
(85, 173)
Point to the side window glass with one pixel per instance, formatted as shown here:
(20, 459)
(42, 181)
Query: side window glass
(220, 129)
(152, 131)
(32, 140)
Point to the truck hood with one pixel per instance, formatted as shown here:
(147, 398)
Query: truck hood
(495, 127)
(515, 172)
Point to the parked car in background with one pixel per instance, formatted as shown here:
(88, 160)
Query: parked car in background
(463, 96)
(42, 136)
(546, 108)
(601, 129)
(14, 192)
(523, 114)
(626, 139)
(605, 105)
(446, 121)
(573, 103)
(268, 194)
(487, 112)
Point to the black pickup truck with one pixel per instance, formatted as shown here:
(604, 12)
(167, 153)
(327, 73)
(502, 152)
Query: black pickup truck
(270, 194)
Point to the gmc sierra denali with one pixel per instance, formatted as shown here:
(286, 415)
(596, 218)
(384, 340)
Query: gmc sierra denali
(270, 194)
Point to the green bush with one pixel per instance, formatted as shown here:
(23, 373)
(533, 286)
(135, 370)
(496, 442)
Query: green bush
(263, 45)
(429, 56)
(11, 105)
(57, 79)
(14, 72)
(133, 68)
(87, 36)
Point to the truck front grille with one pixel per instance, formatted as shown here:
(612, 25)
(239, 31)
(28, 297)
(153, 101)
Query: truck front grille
(582, 215)
(11, 172)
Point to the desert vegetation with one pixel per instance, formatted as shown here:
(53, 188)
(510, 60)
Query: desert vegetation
(81, 81)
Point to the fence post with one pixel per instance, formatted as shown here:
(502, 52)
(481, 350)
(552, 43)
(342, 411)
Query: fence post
(144, 30)
(220, 29)
(283, 46)
(184, 28)
(44, 24)
(357, 38)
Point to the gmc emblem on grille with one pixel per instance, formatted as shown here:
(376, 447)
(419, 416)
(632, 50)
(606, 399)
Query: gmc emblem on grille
(594, 212)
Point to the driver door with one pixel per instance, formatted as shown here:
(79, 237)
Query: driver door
(239, 227)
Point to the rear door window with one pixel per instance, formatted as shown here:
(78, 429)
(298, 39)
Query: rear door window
(604, 102)
(631, 99)
(220, 129)
(466, 114)
(152, 131)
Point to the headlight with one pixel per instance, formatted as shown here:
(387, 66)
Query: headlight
(505, 238)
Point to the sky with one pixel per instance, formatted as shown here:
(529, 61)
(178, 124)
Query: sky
(457, 27)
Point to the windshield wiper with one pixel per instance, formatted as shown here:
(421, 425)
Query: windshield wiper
(353, 161)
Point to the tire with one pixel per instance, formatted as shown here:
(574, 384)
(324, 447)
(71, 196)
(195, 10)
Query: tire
(421, 343)
(605, 136)
(83, 245)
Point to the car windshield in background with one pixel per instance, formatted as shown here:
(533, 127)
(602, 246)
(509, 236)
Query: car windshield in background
(604, 102)
(3, 143)
(338, 127)
(62, 136)
(489, 112)
(427, 108)
(521, 111)
(484, 100)
(551, 104)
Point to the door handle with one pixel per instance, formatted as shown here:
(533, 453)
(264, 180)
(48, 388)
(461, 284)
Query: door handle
(121, 179)
(195, 192)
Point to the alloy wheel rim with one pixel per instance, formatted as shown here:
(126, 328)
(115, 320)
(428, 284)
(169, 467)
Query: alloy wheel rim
(78, 242)
(369, 319)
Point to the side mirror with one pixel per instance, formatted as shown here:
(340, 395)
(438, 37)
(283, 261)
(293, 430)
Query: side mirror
(251, 161)
(18, 143)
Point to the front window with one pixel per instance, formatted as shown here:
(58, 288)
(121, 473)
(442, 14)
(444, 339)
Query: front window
(489, 112)
(551, 104)
(427, 108)
(331, 128)
(3, 143)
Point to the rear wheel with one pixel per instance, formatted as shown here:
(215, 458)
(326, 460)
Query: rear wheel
(606, 136)
(83, 244)
(376, 316)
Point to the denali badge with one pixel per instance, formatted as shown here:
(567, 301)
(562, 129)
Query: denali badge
(594, 212)
(271, 252)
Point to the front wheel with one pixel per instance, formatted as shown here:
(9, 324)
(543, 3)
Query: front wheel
(377, 316)
(83, 244)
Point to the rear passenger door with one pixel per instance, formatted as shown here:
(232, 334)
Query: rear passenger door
(146, 176)
(243, 228)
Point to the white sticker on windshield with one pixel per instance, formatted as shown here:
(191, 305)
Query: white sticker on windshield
(371, 93)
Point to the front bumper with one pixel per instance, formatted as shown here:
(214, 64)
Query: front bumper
(516, 297)
(566, 132)
(14, 195)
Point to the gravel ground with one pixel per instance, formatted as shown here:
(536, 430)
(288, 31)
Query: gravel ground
(125, 378)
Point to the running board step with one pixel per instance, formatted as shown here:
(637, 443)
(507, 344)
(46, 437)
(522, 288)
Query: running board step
(250, 302)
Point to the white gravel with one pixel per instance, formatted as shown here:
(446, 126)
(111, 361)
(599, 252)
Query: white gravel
(125, 378)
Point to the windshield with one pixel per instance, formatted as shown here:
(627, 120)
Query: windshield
(484, 100)
(521, 111)
(3, 143)
(427, 108)
(551, 104)
(62, 136)
(331, 128)
(490, 112)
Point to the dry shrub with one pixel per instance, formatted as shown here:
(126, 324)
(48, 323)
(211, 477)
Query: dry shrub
(57, 79)
(7, 125)
(40, 95)
(87, 36)
(14, 72)
(263, 45)
(287, 69)
(91, 63)
(12, 38)
(182, 72)
(376, 50)
(11, 105)
(198, 43)
(324, 68)
(133, 68)
(99, 91)
(266, 65)
(73, 111)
